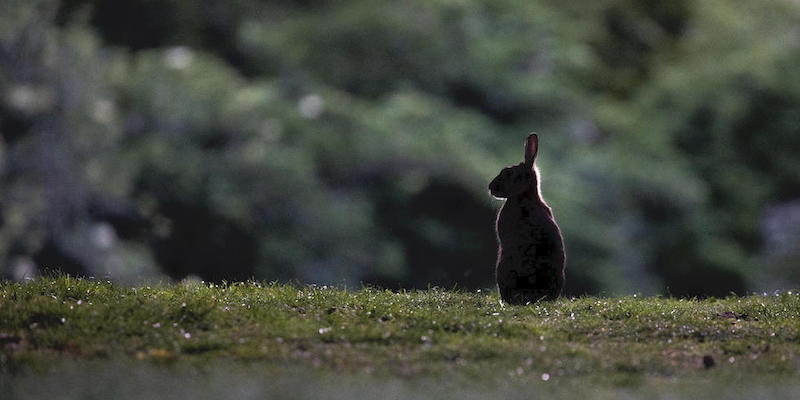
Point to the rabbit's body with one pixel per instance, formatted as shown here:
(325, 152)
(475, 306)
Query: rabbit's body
(530, 260)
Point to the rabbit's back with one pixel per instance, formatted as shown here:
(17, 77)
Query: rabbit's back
(530, 265)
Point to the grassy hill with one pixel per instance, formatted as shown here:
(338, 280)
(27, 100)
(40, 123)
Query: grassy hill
(407, 336)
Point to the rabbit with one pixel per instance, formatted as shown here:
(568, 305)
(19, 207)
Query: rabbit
(531, 255)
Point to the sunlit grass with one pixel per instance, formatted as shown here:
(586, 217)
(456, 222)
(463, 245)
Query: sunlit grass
(413, 334)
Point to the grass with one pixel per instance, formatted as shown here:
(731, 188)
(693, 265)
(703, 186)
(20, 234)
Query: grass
(52, 325)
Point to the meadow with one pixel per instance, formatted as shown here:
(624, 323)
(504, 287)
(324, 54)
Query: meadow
(90, 338)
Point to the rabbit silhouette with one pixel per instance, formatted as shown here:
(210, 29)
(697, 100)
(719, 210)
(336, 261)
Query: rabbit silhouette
(531, 256)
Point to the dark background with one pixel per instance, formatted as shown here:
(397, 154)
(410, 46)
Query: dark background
(351, 142)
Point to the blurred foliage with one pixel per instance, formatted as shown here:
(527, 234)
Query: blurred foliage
(351, 141)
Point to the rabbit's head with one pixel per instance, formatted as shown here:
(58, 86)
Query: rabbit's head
(519, 178)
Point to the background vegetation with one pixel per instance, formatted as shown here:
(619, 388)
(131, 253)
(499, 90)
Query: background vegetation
(348, 142)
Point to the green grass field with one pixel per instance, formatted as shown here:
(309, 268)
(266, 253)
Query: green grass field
(93, 339)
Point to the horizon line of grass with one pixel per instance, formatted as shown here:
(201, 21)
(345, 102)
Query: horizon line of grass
(406, 333)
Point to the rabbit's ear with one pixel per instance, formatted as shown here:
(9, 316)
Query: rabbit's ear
(531, 148)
